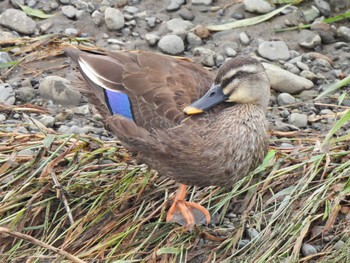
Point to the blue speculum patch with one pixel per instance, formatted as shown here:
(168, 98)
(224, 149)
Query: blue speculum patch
(119, 103)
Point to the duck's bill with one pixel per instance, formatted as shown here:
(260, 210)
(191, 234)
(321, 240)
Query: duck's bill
(213, 97)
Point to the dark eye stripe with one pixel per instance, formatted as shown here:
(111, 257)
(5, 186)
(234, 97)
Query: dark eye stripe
(227, 81)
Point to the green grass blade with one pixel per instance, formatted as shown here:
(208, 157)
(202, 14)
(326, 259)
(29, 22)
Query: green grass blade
(246, 22)
(334, 87)
(35, 12)
(344, 119)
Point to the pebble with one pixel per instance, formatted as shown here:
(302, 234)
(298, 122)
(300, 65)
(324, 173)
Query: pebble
(207, 56)
(308, 250)
(175, 5)
(202, 32)
(151, 21)
(26, 152)
(307, 74)
(71, 31)
(243, 242)
(71, 130)
(64, 115)
(284, 81)
(47, 120)
(2, 117)
(59, 90)
(301, 65)
(25, 94)
(285, 99)
(131, 9)
(298, 119)
(230, 52)
(179, 26)
(309, 39)
(5, 57)
(291, 68)
(202, 2)
(310, 14)
(7, 94)
(82, 110)
(252, 233)
(114, 19)
(186, 14)
(17, 20)
(258, 6)
(45, 27)
(69, 11)
(324, 7)
(97, 18)
(339, 245)
(171, 44)
(121, 3)
(307, 95)
(193, 39)
(274, 50)
(343, 32)
(65, 2)
(151, 39)
(243, 37)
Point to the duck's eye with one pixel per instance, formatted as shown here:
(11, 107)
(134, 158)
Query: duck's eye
(238, 73)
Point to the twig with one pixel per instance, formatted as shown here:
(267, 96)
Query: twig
(40, 243)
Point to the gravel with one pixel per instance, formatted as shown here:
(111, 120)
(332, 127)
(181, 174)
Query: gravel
(18, 20)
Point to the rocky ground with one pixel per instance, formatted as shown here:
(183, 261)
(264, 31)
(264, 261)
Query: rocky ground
(309, 60)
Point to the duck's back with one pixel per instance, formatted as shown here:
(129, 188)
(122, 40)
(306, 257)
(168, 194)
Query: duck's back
(158, 87)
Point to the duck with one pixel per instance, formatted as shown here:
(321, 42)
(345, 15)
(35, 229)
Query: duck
(180, 119)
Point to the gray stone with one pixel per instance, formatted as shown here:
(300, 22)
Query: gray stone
(258, 6)
(97, 18)
(151, 21)
(242, 243)
(25, 94)
(343, 32)
(219, 60)
(65, 2)
(178, 25)
(243, 37)
(69, 11)
(82, 110)
(285, 99)
(302, 65)
(186, 14)
(175, 5)
(324, 7)
(308, 75)
(151, 39)
(307, 250)
(71, 31)
(121, 3)
(131, 9)
(230, 52)
(284, 81)
(7, 94)
(171, 44)
(339, 245)
(71, 130)
(202, 2)
(274, 50)
(193, 39)
(311, 14)
(47, 120)
(307, 95)
(82, 14)
(114, 19)
(207, 56)
(5, 57)
(291, 68)
(298, 119)
(309, 39)
(2, 118)
(45, 27)
(17, 20)
(252, 233)
(59, 90)
(17, 3)
(26, 152)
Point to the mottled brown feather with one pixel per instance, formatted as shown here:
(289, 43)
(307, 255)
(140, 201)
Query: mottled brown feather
(218, 147)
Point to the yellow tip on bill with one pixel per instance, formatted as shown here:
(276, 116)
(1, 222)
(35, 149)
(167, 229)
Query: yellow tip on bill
(192, 110)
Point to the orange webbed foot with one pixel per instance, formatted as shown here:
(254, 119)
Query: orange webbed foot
(187, 213)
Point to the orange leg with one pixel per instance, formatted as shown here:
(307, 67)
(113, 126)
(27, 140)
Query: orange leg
(186, 213)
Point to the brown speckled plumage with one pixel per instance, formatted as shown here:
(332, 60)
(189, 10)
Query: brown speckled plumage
(218, 147)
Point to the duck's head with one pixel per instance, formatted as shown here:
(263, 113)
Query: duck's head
(240, 80)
